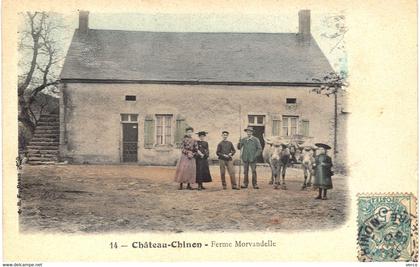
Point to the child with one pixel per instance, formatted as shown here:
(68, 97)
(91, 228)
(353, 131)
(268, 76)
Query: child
(323, 173)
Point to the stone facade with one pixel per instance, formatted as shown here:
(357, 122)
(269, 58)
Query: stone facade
(341, 149)
(91, 126)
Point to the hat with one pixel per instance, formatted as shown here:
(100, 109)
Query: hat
(248, 129)
(325, 146)
(202, 133)
(189, 128)
(225, 132)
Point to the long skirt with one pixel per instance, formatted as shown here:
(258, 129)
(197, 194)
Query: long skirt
(185, 170)
(322, 178)
(203, 171)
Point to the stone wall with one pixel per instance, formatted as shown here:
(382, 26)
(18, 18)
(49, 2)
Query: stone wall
(91, 130)
(341, 151)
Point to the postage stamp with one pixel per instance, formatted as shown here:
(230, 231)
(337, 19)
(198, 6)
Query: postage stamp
(387, 227)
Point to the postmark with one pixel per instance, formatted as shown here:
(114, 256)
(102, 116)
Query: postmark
(387, 227)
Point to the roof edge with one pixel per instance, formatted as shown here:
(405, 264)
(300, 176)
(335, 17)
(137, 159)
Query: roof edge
(190, 32)
(191, 82)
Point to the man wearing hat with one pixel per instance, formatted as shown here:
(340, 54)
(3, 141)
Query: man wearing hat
(251, 149)
(225, 151)
(323, 173)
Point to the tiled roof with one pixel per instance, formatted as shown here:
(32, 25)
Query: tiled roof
(194, 57)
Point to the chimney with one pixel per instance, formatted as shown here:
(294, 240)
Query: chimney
(83, 21)
(305, 23)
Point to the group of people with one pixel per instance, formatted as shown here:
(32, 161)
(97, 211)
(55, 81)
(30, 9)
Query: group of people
(193, 165)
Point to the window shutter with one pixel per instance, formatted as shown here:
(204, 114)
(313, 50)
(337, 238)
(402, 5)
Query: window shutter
(149, 131)
(304, 127)
(275, 124)
(276, 127)
(179, 130)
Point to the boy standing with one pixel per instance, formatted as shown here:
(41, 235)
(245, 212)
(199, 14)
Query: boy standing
(225, 151)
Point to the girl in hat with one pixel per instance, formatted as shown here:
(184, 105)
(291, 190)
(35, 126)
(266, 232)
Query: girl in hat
(323, 173)
(202, 165)
(186, 168)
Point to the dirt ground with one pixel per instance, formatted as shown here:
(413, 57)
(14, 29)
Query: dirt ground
(112, 198)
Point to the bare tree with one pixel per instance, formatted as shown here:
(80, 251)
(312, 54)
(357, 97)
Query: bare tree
(40, 59)
(334, 83)
(331, 84)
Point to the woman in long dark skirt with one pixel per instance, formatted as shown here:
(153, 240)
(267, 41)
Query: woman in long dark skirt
(202, 165)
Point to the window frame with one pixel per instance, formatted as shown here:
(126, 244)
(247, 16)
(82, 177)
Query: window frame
(133, 98)
(254, 121)
(166, 119)
(288, 132)
(129, 118)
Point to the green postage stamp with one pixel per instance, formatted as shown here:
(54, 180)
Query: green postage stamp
(387, 227)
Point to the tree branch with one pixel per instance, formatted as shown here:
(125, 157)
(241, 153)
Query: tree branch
(40, 53)
(35, 32)
(42, 87)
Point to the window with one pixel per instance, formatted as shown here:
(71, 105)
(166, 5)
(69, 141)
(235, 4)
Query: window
(290, 100)
(130, 98)
(290, 125)
(256, 120)
(129, 117)
(163, 129)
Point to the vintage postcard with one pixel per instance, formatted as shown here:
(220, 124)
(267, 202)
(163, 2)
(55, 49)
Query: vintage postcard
(210, 130)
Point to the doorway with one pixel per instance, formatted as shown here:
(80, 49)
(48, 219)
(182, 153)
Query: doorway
(129, 137)
(258, 132)
(257, 122)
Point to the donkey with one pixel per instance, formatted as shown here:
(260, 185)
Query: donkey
(308, 160)
(277, 155)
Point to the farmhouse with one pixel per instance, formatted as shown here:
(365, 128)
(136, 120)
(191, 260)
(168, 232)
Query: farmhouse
(127, 96)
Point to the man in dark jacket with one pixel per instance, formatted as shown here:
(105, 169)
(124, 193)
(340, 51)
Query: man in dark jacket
(225, 151)
(251, 149)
